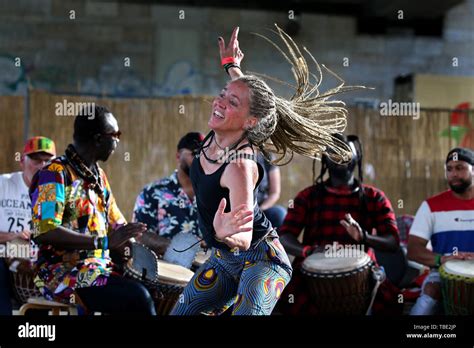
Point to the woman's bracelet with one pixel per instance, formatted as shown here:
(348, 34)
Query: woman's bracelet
(229, 62)
(230, 65)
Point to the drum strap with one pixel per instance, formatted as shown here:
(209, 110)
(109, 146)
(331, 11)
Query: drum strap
(379, 276)
(189, 247)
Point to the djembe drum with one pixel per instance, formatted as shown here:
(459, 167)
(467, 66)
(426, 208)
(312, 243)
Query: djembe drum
(22, 270)
(172, 279)
(339, 285)
(457, 286)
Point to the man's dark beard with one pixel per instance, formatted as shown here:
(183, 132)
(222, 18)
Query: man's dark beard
(341, 173)
(462, 187)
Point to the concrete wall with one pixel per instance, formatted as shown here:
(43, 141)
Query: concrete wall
(437, 91)
(170, 55)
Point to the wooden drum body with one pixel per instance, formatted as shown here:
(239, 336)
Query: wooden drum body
(457, 287)
(339, 285)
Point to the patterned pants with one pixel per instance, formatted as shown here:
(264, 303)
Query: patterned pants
(251, 280)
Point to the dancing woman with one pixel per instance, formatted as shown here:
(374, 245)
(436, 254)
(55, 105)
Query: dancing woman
(249, 267)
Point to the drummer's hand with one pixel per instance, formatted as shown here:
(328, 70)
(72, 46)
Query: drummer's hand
(467, 255)
(124, 233)
(25, 235)
(235, 221)
(315, 249)
(459, 256)
(352, 227)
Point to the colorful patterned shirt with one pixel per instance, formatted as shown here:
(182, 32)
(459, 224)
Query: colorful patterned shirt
(166, 208)
(61, 197)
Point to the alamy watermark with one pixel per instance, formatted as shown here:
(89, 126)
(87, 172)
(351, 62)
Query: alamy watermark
(392, 108)
(15, 250)
(28, 330)
(337, 250)
(67, 108)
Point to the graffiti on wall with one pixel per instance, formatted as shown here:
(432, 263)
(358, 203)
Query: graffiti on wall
(112, 79)
(12, 76)
(461, 128)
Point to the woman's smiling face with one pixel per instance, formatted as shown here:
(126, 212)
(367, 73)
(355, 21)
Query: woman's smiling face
(230, 110)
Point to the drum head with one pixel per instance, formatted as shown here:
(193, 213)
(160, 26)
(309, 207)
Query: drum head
(182, 249)
(143, 259)
(463, 268)
(321, 263)
(169, 273)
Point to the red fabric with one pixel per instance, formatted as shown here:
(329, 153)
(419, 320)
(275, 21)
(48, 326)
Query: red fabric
(322, 226)
(459, 117)
(446, 201)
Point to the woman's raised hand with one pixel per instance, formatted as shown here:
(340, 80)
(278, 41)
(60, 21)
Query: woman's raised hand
(232, 49)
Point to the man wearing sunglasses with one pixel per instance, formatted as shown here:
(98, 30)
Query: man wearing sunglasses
(77, 223)
(168, 208)
(339, 210)
(15, 205)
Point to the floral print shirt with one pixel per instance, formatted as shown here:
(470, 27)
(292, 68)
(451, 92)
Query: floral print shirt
(166, 208)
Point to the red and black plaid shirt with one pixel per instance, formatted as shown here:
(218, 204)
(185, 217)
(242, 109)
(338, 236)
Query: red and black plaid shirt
(319, 213)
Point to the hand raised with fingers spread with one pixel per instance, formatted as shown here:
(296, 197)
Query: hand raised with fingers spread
(232, 49)
(235, 221)
(353, 228)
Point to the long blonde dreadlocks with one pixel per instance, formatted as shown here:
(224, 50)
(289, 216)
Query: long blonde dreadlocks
(305, 123)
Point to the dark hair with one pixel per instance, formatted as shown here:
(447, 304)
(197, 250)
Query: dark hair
(191, 141)
(90, 121)
(302, 124)
(345, 139)
(319, 183)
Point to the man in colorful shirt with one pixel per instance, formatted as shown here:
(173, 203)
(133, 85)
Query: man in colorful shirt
(168, 208)
(76, 221)
(447, 220)
(339, 210)
(15, 206)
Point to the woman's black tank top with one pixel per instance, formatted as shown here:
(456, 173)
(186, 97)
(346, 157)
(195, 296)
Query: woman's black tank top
(209, 193)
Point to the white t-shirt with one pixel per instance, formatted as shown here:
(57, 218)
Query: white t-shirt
(15, 203)
(447, 221)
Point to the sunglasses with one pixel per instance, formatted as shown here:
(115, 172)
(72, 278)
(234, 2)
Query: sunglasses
(113, 134)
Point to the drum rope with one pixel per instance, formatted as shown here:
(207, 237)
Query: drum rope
(189, 247)
(379, 276)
